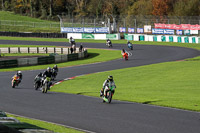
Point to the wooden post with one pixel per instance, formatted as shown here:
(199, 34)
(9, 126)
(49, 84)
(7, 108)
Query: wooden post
(9, 50)
(61, 50)
(54, 50)
(37, 49)
(19, 50)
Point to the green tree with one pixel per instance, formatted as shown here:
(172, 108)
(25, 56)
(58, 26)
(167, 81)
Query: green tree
(187, 8)
(94, 8)
(141, 7)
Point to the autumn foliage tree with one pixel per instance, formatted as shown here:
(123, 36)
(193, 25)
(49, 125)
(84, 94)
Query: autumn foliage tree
(162, 7)
(85, 8)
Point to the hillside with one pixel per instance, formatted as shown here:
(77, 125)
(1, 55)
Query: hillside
(12, 22)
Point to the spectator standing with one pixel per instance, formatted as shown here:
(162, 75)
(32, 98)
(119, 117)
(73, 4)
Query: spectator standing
(81, 48)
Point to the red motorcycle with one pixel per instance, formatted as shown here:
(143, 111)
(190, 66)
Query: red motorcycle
(125, 56)
(15, 81)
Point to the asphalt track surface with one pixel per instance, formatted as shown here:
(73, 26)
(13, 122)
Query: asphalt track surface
(89, 113)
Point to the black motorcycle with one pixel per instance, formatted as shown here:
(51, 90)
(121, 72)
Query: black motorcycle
(54, 74)
(38, 82)
(109, 44)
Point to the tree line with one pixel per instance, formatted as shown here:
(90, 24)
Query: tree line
(49, 9)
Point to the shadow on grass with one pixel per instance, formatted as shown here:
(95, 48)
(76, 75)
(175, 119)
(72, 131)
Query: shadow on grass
(149, 102)
(92, 55)
(82, 93)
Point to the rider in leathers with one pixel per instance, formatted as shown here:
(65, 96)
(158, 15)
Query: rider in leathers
(108, 83)
(47, 73)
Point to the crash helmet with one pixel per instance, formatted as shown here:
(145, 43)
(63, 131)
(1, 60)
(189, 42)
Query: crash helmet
(110, 78)
(70, 37)
(48, 69)
(19, 73)
(55, 66)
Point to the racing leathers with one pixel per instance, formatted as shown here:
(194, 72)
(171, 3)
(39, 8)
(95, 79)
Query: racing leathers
(71, 41)
(107, 85)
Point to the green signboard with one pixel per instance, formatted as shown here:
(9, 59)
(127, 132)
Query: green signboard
(128, 37)
(111, 36)
(87, 36)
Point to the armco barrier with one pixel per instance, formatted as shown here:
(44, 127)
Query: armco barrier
(46, 60)
(27, 61)
(43, 60)
(72, 57)
(85, 54)
(43, 35)
(8, 63)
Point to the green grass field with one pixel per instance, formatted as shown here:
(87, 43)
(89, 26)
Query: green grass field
(17, 23)
(46, 125)
(172, 84)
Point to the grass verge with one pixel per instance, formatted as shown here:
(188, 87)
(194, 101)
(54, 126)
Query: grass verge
(46, 125)
(95, 55)
(172, 84)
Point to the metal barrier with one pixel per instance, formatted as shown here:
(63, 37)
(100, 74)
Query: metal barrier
(52, 58)
(42, 50)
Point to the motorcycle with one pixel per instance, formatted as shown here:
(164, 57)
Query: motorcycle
(130, 46)
(125, 56)
(54, 74)
(109, 44)
(109, 94)
(46, 85)
(38, 82)
(15, 81)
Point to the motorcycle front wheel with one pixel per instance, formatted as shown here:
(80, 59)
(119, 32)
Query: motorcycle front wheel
(13, 84)
(110, 97)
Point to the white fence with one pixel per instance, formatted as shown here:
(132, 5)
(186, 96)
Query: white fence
(33, 50)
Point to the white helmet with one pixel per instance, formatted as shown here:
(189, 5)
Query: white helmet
(19, 72)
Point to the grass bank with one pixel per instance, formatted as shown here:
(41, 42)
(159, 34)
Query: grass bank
(172, 84)
(11, 22)
(46, 125)
(95, 55)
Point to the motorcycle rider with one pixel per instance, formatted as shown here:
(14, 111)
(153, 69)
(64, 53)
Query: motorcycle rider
(17, 77)
(71, 41)
(129, 45)
(108, 42)
(124, 54)
(108, 83)
(47, 74)
(55, 68)
(39, 78)
(19, 74)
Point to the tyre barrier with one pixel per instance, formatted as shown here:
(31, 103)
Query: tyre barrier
(42, 35)
(52, 58)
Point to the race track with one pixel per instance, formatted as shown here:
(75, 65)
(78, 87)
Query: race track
(89, 113)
